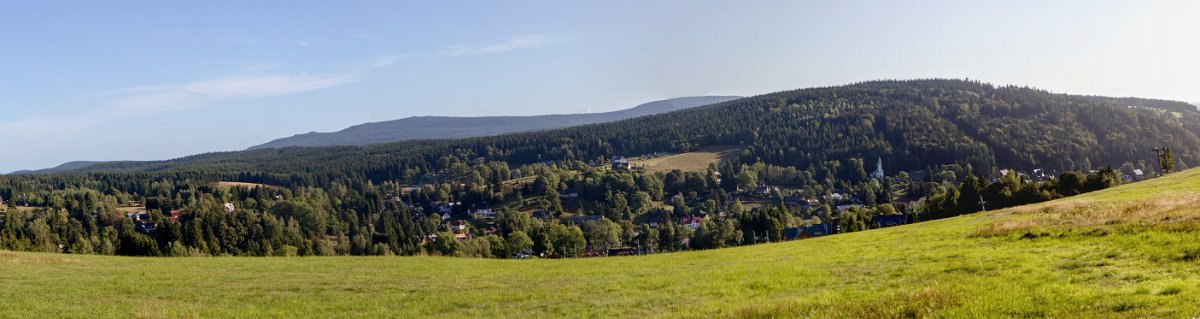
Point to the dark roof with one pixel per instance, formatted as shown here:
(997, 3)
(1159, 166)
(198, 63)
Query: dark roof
(807, 231)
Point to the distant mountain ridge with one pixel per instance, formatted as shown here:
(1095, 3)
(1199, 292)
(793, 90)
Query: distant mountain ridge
(65, 167)
(447, 127)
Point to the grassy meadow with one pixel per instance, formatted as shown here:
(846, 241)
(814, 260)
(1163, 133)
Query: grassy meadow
(1130, 251)
(688, 162)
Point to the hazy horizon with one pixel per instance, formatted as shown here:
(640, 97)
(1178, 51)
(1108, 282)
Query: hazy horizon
(152, 81)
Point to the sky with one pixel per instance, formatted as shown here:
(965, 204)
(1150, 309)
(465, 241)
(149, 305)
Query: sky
(155, 80)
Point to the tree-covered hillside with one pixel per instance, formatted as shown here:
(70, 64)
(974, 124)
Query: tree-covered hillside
(910, 125)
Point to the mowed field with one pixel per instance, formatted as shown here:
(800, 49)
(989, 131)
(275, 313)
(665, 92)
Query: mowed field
(1131, 251)
(690, 161)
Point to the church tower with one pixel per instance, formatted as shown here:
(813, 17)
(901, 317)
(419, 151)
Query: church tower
(878, 173)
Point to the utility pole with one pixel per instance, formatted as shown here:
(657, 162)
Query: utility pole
(982, 203)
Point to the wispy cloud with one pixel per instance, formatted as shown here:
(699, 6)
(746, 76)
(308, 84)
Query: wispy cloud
(517, 43)
(300, 43)
(258, 83)
(121, 104)
(172, 96)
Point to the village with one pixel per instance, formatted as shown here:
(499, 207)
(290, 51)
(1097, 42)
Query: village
(814, 214)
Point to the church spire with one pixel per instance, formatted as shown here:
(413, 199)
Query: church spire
(878, 173)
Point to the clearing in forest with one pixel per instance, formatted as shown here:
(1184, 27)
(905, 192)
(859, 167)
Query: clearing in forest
(690, 161)
(239, 184)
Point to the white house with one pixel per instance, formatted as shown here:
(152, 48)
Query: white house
(485, 213)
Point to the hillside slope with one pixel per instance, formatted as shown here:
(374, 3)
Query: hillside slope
(443, 127)
(910, 125)
(1128, 251)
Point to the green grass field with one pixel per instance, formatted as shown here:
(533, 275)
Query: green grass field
(1131, 251)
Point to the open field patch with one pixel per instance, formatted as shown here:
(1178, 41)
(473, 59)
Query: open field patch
(240, 184)
(690, 161)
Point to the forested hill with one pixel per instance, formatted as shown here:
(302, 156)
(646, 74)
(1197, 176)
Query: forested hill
(444, 127)
(910, 125)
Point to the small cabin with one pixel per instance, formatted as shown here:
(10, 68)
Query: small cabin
(817, 230)
(620, 163)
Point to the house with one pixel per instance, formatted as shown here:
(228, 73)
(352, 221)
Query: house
(692, 222)
(524, 254)
(144, 228)
(1138, 174)
(458, 225)
(817, 230)
(845, 208)
(444, 208)
(764, 190)
(541, 214)
(620, 163)
(484, 213)
(428, 239)
(880, 221)
(175, 214)
(1039, 175)
(138, 216)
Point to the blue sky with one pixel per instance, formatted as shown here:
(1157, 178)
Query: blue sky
(146, 80)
